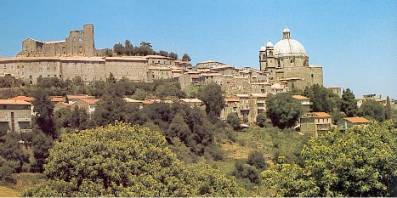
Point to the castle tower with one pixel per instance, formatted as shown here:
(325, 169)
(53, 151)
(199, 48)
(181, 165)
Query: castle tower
(88, 40)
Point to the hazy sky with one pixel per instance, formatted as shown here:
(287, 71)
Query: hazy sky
(355, 41)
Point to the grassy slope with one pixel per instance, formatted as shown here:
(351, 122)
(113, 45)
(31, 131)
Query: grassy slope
(271, 141)
(24, 181)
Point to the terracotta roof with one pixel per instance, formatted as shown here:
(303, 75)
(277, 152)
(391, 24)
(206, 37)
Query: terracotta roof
(90, 101)
(13, 102)
(24, 98)
(299, 97)
(79, 97)
(321, 114)
(356, 120)
(56, 98)
(231, 99)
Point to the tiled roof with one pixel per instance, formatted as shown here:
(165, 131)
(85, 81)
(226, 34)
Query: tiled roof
(356, 120)
(13, 102)
(79, 97)
(231, 99)
(56, 98)
(90, 101)
(24, 98)
(299, 97)
(321, 114)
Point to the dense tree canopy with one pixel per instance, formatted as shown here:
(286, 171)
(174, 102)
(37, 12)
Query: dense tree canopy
(283, 110)
(323, 99)
(349, 103)
(44, 110)
(124, 160)
(211, 95)
(233, 120)
(372, 109)
(358, 162)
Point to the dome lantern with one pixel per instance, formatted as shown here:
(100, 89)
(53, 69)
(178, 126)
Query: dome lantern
(286, 33)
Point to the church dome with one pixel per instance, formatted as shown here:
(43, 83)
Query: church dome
(268, 45)
(288, 46)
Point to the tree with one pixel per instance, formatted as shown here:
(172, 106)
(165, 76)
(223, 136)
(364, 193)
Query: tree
(44, 109)
(11, 150)
(283, 110)
(40, 144)
(246, 171)
(118, 48)
(128, 48)
(78, 119)
(322, 98)
(125, 160)
(233, 120)
(110, 108)
(256, 159)
(359, 162)
(178, 129)
(372, 109)
(173, 55)
(211, 95)
(388, 110)
(349, 103)
(261, 119)
(186, 58)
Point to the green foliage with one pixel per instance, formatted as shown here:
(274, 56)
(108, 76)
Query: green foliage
(211, 95)
(7, 167)
(322, 98)
(247, 172)
(256, 159)
(372, 109)
(11, 150)
(44, 109)
(358, 162)
(173, 89)
(233, 120)
(186, 57)
(40, 146)
(283, 110)
(349, 103)
(9, 81)
(124, 160)
(110, 108)
(261, 119)
(289, 180)
(178, 128)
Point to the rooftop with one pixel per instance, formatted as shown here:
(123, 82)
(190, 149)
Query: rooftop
(13, 102)
(356, 120)
(299, 97)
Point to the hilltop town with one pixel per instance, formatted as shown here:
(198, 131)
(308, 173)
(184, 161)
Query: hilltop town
(259, 127)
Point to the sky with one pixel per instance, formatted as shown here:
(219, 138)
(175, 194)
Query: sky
(355, 41)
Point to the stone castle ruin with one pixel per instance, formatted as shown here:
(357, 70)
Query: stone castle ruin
(78, 43)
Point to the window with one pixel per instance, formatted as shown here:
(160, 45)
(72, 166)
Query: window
(24, 125)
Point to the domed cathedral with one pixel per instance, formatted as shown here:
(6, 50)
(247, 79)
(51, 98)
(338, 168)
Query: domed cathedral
(287, 62)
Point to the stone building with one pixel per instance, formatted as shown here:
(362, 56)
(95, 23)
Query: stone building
(288, 62)
(78, 43)
(247, 106)
(315, 123)
(15, 116)
(77, 56)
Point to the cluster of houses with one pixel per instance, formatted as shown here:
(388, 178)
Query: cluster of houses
(16, 113)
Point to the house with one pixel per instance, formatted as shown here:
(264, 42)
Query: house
(304, 101)
(15, 116)
(352, 121)
(315, 123)
(88, 104)
(139, 103)
(193, 102)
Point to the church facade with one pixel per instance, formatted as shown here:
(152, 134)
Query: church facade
(287, 62)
